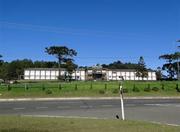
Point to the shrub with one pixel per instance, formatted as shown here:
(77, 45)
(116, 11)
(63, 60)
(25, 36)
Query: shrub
(125, 90)
(76, 87)
(91, 86)
(135, 89)
(15, 82)
(9, 87)
(155, 89)
(147, 89)
(162, 87)
(43, 87)
(27, 88)
(48, 91)
(115, 91)
(177, 88)
(105, 87)
(101, 91)
(60, 86)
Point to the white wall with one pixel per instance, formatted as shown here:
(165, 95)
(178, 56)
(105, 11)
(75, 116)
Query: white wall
(52, 74)
(116, 75)
(40, 74)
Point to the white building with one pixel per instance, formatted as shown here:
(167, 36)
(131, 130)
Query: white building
(88, 74)
(129, 74)
(51, 74)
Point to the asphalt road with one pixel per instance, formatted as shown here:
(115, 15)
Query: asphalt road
(154, 110)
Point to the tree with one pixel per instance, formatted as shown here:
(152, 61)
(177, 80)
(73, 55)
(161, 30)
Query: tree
(70, 67)
(159, 73)
(120, 65)
(141, 70)
(172, 64)
(1, 61)
(62, 53)
(4, 71)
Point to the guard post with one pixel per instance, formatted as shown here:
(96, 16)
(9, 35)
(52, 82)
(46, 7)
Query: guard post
(121, 98)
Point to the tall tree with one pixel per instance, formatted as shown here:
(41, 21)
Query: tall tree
(62, 53)
(141, 70)
(70, 67)
(172, 64)
(159, 73)
(1, 61)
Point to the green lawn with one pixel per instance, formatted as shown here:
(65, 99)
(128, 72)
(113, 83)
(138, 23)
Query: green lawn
(84, 89)
(34, 124)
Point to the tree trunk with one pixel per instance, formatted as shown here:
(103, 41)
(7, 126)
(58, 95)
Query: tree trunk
(59, 67)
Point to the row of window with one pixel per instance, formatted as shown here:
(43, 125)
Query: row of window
(47, 72)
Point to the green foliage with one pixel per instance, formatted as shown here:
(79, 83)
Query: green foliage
(141, 70)
(91, 86)
(70, 67)
(59, 86)
(162, 86)
(43, 87)
(105, 86)
(159, 73)
(147, 89)
(155, 89)
(125, 90)
(120, 65)
(177, 88)
(49, 91)
(135, 89)
(8, 87)
(171, 63)
(64, 55)
(76, 87)
(1, 61)
(101, 92)
(26, 87)
(115, 91)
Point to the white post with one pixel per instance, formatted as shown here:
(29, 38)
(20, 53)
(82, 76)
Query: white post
(122, 102)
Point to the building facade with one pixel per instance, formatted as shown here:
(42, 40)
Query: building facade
(86, 74)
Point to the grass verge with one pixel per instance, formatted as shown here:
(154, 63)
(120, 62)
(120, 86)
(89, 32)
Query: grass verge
(86, 89)
(37, 124)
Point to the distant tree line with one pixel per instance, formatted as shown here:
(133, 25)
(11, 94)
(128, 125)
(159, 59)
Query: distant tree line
(12, 70)
(64, 55)
(120, 65)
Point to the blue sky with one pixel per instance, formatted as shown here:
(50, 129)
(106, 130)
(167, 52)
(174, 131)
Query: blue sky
(101, 31)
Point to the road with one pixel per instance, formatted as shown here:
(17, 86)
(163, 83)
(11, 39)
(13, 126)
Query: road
(154, 110)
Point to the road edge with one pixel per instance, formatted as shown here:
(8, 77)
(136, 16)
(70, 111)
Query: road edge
(81, 98)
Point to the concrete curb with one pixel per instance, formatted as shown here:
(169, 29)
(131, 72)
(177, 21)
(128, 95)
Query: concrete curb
(81, 98)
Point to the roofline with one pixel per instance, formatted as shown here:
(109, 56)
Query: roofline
(82, 69)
